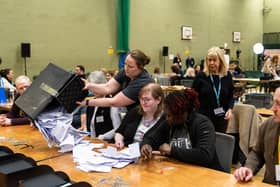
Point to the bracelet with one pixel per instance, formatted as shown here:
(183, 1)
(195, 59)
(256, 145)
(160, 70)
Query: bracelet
(87, 101)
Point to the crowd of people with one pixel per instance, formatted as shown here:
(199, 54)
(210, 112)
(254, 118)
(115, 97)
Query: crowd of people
(180, 125)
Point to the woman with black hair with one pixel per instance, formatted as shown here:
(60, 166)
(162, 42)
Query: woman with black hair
(187, 135)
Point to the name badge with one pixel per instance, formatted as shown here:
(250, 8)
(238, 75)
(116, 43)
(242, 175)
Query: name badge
(277, 172)
(99, 119)
(219, 111)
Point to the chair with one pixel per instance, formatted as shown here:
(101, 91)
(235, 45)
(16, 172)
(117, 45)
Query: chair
(187, 82)
(224, 149)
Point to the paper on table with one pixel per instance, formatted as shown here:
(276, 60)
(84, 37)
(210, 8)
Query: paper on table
(88, 160)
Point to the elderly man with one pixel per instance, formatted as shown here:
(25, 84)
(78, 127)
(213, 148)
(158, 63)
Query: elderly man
(266, 150)
(17, 116)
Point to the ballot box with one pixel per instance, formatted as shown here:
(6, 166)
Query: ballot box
(53, 86)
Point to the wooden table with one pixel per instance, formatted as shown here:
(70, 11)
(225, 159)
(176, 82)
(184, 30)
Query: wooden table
(160, 171)
(265, 112)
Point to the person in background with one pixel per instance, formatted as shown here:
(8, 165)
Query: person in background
(16, 116)
(79, 114)
(197, 69)
(110, 74)
(7, 76)
(176, 75)
(190, 73)
(186, 135)
(157, 70)
(178, 60)
(125, 86)
(144, 119)
(80, 70)
(190, 62)
(266, 151)
(215, 89)
(270, 68)
(101, 122)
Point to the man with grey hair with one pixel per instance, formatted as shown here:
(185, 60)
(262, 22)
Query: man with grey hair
(16, 116)
(267, 149)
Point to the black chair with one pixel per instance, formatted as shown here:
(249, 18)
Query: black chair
(224, 149)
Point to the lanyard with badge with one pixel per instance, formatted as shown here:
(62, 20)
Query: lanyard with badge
(219, 111)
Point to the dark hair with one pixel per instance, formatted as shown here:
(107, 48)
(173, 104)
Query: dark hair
(157, 70)
(5, 72)
(175, 68)
(82, 68)
(179, 104)
(140, 58)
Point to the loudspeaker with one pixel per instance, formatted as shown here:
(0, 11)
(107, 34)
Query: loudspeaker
(25, 50)
(164, 51)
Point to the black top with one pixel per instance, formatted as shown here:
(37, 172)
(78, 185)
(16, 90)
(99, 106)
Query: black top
(203, 86)
(202, 137)
(130, 124)
(131, 88)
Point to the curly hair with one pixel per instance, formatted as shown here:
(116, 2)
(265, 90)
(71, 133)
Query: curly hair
(179, 104)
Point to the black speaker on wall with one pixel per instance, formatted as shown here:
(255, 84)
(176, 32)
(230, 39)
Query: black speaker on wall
(164, 51)
(25, 50)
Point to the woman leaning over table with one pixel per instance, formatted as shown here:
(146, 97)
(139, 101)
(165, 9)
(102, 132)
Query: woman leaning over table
(186, 135)
(215, 89)
(144, 119)
(125, 86)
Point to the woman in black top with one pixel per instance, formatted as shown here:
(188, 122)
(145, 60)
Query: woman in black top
(215, 89)
(187, 135)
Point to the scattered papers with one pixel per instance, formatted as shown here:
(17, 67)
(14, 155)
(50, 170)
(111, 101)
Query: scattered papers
(55, 125)
(88, 160)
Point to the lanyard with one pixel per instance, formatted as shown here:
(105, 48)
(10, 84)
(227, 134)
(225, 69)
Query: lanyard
(217, 93)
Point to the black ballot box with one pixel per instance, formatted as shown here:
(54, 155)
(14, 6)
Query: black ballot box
(53, 86)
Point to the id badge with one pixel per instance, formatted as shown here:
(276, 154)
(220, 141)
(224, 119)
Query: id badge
(219, 111)
(99, 119)
(277, 172)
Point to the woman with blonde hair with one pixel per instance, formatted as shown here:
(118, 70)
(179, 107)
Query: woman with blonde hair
(215, 88)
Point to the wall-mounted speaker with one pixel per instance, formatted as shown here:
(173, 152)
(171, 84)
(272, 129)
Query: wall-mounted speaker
(164, 51)
(25, 50)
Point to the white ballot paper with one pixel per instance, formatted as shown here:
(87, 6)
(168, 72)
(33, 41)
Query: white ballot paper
(55, 125)
(88, 160)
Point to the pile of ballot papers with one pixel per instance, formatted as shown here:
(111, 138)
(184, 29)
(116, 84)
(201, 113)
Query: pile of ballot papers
(102, 161)
(55, 125)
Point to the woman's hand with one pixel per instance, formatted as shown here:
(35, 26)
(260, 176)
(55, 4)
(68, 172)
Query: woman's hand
(146, 151)
(165, 149)
(119, 143)
(228, 114)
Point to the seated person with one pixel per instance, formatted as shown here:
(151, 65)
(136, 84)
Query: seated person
(187, 135)
(143, 119)
(16, 116)
(190, 73)
(176, 75)
(6, 78)
(265, 151)
(101, 122)
(269, 68)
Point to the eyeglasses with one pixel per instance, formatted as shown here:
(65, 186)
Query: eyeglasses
(145, 99)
